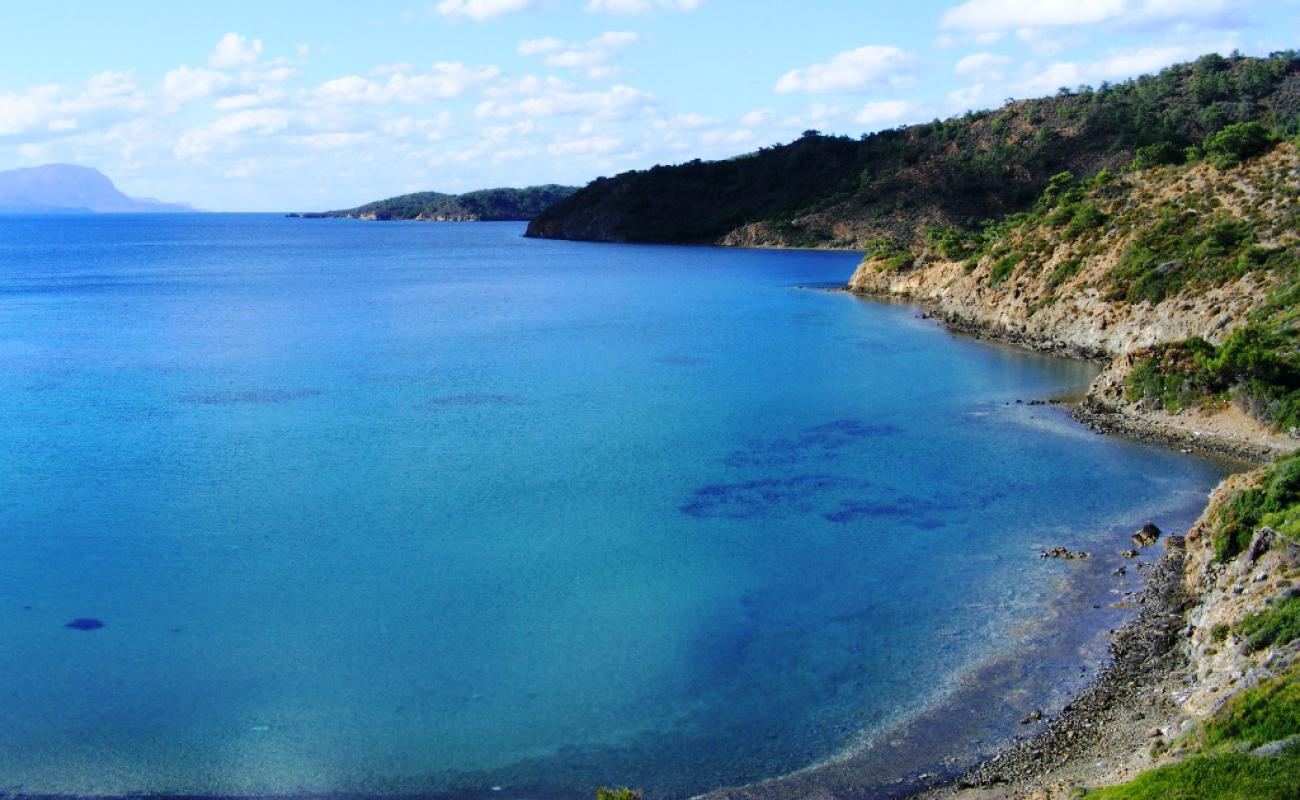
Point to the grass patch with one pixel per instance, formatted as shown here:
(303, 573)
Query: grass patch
(1277, 625)
(1267, 713)
(1220, 776)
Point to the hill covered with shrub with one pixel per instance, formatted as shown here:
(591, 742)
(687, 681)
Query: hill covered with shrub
(829, 191)
(487, 205)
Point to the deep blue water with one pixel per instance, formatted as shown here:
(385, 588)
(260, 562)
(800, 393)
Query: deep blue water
(421, 507)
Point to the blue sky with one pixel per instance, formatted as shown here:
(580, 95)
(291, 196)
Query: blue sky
(307, 105)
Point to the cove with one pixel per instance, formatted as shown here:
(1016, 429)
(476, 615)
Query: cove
(434, 508)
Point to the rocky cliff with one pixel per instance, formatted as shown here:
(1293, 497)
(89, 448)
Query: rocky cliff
(1113, 267)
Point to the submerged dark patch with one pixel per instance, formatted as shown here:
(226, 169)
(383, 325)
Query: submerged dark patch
(253, 396)
(453, 400)
(762, 498)
(85, 624)
(681, 361)
(818, 443)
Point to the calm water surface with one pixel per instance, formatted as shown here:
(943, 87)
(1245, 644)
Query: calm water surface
(404, 507)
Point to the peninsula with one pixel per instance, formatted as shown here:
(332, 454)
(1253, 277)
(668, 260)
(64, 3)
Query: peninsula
(485, 205)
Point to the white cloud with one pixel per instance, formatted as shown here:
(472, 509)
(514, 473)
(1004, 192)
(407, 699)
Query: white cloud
(235, 51)
(532, 97)
(263, 96)
(333, 141)
(204, 139)
(480, 9)
(55, 109)
(757, 117)
(584, 147)
(883, 112)
(536, 47)
(980, 62)
(589, 55)
(969, 98)
(184, 85)
(1119, 65)
(869, 67)
(444, 80)
(1004, 15)
(640, 6)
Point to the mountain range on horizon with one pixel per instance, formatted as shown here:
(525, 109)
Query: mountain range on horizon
(71, 189)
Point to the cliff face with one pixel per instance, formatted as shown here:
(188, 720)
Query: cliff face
(1143, 268)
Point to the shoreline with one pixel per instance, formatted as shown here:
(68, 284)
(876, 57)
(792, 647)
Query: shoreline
(1116, 725)
(1105, 721)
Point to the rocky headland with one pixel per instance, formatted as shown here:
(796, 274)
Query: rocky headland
(1199, 356)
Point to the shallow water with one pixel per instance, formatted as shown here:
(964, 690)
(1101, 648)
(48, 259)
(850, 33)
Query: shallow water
(420, 507)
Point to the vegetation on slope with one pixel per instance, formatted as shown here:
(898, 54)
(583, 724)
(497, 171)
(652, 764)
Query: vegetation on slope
(487, 205)
(955, 173)
(1275, 503)
(1223, 767)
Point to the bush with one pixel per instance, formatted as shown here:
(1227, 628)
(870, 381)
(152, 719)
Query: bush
(1237, 143)
(1158, 155)
(1277, 500)
(1004, 267)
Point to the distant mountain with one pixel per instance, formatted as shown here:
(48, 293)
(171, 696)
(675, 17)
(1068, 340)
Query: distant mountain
(487, 205)
(68, 188)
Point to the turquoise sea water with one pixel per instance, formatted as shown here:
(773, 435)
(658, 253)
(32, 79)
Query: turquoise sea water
(437, 508)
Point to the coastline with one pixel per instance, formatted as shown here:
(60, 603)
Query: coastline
(1102, 731)
(1124, 717)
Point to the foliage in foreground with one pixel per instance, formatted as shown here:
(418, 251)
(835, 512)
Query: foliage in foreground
(1220, 776)
(1267, 713)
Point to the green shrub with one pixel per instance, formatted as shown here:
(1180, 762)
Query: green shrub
(1158, 155)
(889, 256)
(1245, 512)
(1004, 266)
(624, 793)
(1237, 143)
(1276, 626)
(1063, 272)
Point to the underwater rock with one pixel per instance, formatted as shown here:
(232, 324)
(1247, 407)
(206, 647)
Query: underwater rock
(1061, 552)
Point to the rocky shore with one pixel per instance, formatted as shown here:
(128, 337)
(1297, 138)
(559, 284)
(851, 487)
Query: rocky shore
(1169, 667)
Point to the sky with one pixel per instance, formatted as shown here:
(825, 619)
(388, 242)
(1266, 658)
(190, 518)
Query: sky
(286, 105)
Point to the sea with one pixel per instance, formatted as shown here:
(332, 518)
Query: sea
(327, 506)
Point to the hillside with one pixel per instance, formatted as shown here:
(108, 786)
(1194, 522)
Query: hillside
(68, 188)
(822, 191)
(487, 205)
(1185, 275)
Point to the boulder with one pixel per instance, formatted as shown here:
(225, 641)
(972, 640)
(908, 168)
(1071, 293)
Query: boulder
(1147, 536)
